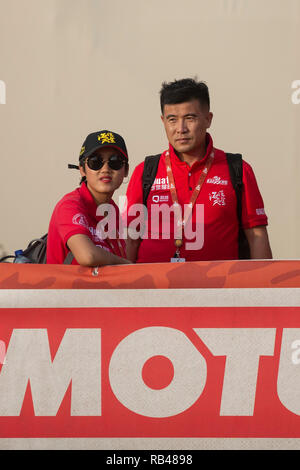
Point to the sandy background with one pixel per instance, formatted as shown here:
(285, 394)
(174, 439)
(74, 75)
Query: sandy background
(71, 67)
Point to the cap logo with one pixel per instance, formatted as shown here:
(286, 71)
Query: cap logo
(106, 137)
(82, 150)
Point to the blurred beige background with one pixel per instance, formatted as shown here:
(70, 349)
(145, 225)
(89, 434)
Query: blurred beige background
(71, 67)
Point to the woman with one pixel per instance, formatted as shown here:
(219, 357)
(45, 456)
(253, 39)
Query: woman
(78, 224)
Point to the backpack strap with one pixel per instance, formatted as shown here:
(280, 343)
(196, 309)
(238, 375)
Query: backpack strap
(149, 173)
(235, 165)
(69, 258)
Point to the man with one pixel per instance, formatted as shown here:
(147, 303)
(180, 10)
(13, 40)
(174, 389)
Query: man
(193, 177)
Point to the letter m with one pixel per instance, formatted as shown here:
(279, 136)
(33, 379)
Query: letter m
(77, 361)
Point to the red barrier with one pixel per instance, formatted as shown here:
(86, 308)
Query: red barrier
(210, 274)
(193, 350)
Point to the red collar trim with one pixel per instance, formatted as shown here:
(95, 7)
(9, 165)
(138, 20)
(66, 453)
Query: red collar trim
(199, 162)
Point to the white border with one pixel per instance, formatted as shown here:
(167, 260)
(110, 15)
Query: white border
(149, 444)
(89, 298)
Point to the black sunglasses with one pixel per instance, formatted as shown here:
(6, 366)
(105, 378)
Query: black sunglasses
(115, 162)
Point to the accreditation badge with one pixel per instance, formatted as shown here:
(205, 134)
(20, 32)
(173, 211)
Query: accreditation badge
(177, 258)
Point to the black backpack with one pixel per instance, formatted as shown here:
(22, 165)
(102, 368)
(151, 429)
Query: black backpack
(36, 252)
(235, 164)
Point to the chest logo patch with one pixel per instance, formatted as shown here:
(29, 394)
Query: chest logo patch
(217, 198)
(80, 219)
(160, 184)
(217, 180)
(163, 198)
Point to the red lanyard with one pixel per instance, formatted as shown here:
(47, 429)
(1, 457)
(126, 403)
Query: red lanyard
(195, 194)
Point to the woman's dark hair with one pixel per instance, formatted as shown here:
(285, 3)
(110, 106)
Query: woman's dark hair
(186, 89)
(83, 178)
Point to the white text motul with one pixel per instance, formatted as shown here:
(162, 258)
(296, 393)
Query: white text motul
(78, 362)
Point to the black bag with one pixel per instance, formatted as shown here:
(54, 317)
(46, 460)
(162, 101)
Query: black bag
(235, 164)
(36, 252)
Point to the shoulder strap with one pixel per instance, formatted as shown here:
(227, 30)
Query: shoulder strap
(69, 258)
(235, 164)
(149, 173)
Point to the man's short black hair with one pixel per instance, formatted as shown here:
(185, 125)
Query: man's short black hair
(186, 89)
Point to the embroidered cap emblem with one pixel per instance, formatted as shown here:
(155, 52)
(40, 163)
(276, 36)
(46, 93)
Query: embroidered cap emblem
(106, 137)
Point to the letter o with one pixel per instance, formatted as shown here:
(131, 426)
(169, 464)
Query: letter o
(129, 357)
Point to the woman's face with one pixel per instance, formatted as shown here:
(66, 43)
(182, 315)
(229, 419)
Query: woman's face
(103, 183)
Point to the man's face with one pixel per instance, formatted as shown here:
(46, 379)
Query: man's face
(186, 124)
